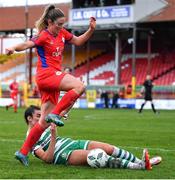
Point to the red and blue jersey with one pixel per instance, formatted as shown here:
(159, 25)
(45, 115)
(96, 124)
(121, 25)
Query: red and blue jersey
(50, 48)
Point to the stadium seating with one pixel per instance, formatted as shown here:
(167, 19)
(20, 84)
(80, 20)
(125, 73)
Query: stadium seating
(166, 79)
(80, 56)
(10, 68)
(102, 68)
(95, 63)
(13, 68)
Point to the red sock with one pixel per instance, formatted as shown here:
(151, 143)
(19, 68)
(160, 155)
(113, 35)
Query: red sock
(67, 100)
(32, 138)
(15, 108)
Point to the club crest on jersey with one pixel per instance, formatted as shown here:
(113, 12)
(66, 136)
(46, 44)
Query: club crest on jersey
(63, 155)
(58, 73)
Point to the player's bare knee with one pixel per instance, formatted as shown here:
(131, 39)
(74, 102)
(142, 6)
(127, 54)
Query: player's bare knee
(83, 88)
(80, 89)
(110, 149)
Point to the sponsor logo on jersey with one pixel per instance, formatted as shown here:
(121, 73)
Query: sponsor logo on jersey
(57, 52)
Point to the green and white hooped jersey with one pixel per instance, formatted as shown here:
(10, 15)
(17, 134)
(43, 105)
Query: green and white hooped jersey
(63, 146)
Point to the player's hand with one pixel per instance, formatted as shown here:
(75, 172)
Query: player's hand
(92, 24)
(53, 130)
(9, 51)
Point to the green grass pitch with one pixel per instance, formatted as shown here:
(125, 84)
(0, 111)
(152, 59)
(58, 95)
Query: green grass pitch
(121, 127)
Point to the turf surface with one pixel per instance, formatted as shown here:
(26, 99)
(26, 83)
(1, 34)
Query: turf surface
(124, 128)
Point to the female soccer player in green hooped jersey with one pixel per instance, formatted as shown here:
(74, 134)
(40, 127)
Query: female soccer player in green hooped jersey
(57, 150)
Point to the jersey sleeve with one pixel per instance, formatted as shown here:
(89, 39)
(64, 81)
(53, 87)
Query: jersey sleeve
(38, 39)
(68, 36)
(36, 147)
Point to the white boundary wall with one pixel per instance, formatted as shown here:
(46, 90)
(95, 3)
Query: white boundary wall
(158, 103)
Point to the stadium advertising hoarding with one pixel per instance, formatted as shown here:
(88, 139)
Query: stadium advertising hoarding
(168, 104)
(104, 15)
(5, 102)
(161, 104)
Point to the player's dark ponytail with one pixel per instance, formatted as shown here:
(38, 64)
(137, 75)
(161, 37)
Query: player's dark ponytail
(51, 13)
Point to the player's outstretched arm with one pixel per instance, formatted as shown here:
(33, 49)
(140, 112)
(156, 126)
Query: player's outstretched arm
(80, 40)
(19, 47)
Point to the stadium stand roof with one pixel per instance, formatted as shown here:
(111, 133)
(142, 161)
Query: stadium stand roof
(13, 18)
(165, 14)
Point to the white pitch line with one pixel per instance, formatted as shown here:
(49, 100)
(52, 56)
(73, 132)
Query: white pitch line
(149, 148)
(11, 140)
(9, 122)
(129, 147)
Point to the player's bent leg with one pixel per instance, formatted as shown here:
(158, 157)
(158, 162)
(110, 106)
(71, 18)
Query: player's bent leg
(34, 134)
(123, 154)
(106, 147)
(69, 82)
(114, 151)
(74, 90)
(78, 157)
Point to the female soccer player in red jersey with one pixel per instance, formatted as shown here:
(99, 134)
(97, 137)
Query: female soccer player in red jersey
(49, 44)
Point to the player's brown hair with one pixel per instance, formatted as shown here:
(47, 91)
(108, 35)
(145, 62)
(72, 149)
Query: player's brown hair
(29, 112)
(51, 13)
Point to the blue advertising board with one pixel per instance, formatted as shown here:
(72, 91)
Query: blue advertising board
(101, 13)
